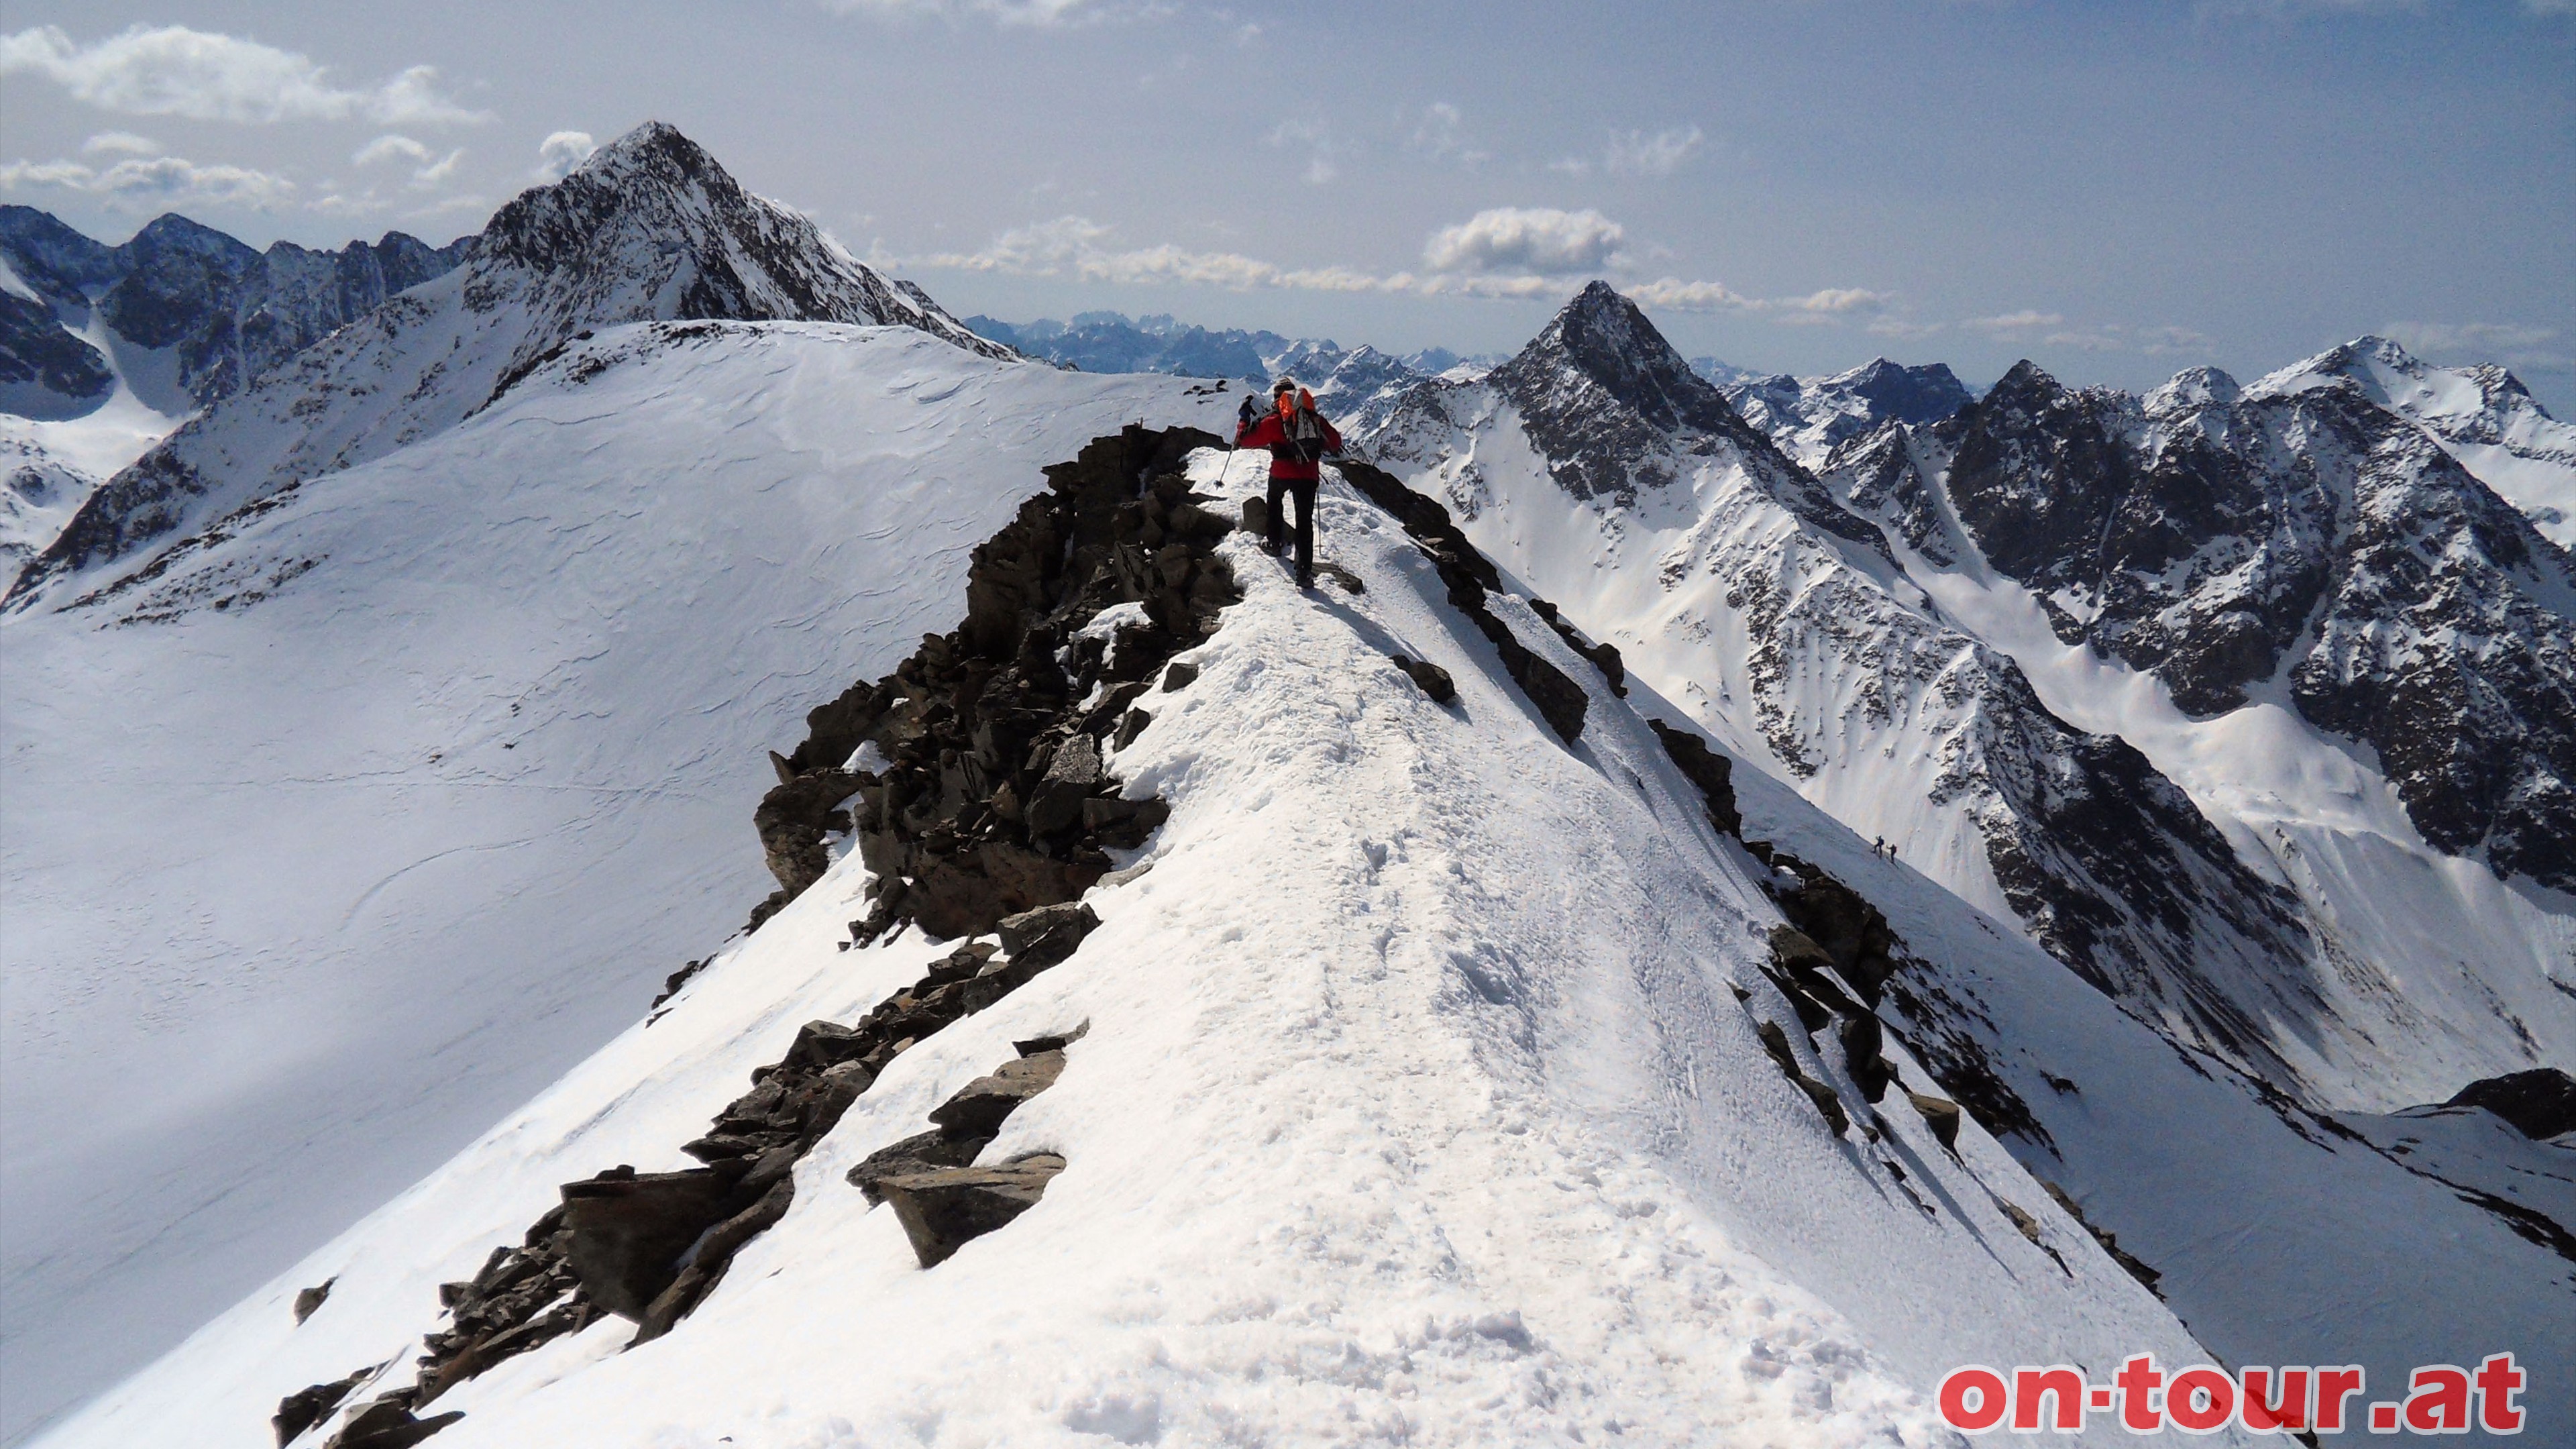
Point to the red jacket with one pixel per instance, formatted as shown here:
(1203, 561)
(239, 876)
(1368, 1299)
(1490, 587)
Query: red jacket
(1270, 431)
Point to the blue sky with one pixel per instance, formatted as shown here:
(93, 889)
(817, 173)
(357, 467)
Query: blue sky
(2118, 190)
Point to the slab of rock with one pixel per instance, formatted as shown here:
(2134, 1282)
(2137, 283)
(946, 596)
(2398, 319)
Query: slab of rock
(1433, 680)
(943, 1211)
(928, 1152)
(311, 1298)
(307, 1407)
(980, 1106)
(388, 1424)
(629, 1231)
(1049, 932)
(1941, 1116)
(1180, 675)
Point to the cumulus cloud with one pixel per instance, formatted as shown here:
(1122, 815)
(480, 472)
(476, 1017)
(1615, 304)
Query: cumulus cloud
(1539, 240)
(1469, 260)
(120, 143)
(203, 75)
(559, 153)
(153, 183)
(390, 148)
(1634, 153)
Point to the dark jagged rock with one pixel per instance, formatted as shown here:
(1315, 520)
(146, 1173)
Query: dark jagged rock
(307, 1407)
(312, 1298)
(2540, 1103)
(1470, 577)
(792, 820)
(942, 1211)
(1712, 772)
(1181, 675)
(925, 1152)
(1433, 680)
(629, 1230)
(979, 1108)
(1827, 1102)
(970, 721)
(386, 1424)
(1941, 1116)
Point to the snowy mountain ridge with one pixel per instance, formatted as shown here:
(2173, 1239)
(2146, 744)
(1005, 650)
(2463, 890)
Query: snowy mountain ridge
(1195, 1009)
(650, 227)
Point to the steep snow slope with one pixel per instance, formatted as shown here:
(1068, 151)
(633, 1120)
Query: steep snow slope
(1420, 1101)
(649, 228)
(1619, 483)
(2482, 416)
(418, 781)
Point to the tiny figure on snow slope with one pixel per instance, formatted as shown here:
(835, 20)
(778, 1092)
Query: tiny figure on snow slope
(1298, 438)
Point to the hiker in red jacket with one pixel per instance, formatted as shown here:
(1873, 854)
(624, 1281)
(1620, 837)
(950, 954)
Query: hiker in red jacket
(1298, 438)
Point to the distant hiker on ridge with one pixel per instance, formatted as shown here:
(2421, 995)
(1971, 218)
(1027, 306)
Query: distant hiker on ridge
(1298, 438)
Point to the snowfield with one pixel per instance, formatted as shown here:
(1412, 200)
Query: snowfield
(341, 837)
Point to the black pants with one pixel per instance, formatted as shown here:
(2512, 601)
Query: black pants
(1304, 490)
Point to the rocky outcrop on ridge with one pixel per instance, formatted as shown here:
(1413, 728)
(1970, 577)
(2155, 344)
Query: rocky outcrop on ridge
(974, 826)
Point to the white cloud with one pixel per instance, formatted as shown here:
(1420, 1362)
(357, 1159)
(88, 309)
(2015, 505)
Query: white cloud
(390, 148)
(120, 143)
(1079, 248)
(437, 172)
(206, 76)
(2021, 321)
(153, 184)
(1539, 240)
(559, 153)
(1634, 153)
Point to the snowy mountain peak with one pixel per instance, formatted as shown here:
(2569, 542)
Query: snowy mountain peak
(1602, 336)
(2483, 416)
(651, 229)
(2193, 387)
(1811, 416)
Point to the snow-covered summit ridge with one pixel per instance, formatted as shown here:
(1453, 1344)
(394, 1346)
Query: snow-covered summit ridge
(2481, 415)
(649, 229)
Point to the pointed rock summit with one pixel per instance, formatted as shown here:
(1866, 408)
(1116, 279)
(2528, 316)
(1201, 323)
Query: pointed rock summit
(649, 229)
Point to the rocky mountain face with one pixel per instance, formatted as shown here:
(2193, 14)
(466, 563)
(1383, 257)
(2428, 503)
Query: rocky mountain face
(649, 228)
(227, 315)
(1809, 416)
(38, 495)
(2296, 538)
(1604, 469)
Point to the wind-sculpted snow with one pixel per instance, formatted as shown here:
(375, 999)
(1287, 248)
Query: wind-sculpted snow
(424, 777)
(1791, 638)
(650, 228)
